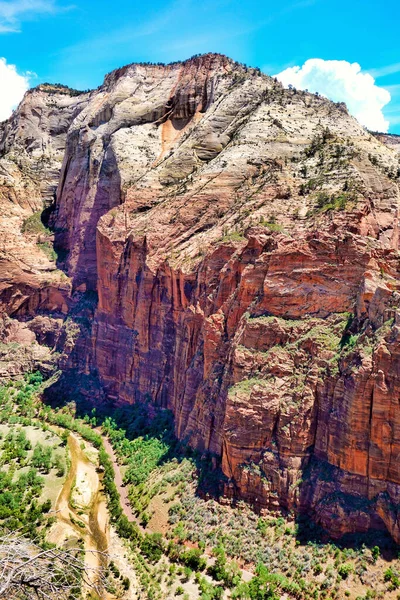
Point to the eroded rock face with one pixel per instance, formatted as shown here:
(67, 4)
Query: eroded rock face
(32, 144)
(243, 243)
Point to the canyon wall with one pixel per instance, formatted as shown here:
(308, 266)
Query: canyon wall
(236, 245)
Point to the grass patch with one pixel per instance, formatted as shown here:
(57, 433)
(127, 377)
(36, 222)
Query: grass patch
(246, 385)
(234, 236)
(34, 225)
(49, 251)
(271, 224)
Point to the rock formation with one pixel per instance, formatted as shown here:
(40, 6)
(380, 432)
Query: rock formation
(234, 246)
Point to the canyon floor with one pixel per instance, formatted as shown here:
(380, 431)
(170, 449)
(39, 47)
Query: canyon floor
(187, 540)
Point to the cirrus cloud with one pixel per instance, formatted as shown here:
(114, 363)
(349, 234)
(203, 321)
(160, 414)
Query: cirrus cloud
(342, 81)
(13, 86)
(14, 11)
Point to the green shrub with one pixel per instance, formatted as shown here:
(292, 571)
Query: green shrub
(152, 546)
(126, 584)
(375, 553)
(194, 559)
(42, 458)
(345, 570)
(49, 251)
(34, 225)
(392, 576)
(318, 569)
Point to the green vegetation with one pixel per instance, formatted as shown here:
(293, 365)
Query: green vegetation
(22, 463)
(305, 335)
(393, 577)
(152, 546)
(234, 236)
(246, 385)
(344, 570)
(317, 143)
(329, 158)
(311, 185)
(19, 506)
(15, 448)
(160, 471)
(326, 202)
(34, 225)
(17, 452)
(48, 249)
(271, 224)
(42, 458)
(59, 88)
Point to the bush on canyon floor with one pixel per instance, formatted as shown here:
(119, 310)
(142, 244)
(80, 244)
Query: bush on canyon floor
(393, 577)
(192, 558)
(42, 458)
(20, 490)
(152, 546)
(15, 447)
(344, 570)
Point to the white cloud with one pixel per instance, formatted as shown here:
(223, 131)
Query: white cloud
(13, 86)
(342, 81)
(12, 12)
(387, 70)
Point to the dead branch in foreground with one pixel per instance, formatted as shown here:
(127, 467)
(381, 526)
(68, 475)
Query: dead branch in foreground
(30, 572)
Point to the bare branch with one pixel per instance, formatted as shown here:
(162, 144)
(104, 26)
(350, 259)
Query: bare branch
(29, 571)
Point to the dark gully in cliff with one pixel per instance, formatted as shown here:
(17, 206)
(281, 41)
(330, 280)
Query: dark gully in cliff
(228, 249)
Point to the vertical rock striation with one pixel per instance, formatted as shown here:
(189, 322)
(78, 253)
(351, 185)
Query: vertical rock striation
(242, 240)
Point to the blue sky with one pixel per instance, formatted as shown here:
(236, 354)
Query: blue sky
(76, 43)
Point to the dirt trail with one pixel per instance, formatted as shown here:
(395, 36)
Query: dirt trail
(81, 509)
(122, 490)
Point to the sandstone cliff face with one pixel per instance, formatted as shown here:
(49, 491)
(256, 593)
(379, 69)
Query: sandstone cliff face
(32, 145)
(243, 243)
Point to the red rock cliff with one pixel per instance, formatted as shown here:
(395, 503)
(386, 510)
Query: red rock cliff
(243, 242)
